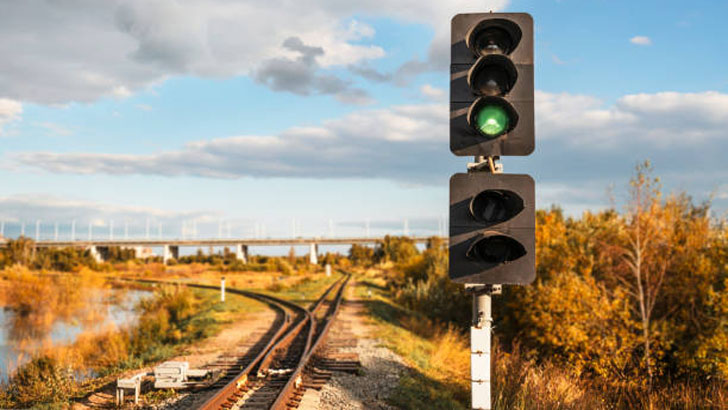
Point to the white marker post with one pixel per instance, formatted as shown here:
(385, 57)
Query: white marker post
(222, 289)
(480, 337)
(328, 270)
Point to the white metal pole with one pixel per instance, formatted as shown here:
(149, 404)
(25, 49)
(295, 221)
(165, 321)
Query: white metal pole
(22, 228)
(480, 349)
(55, 231)
(126, 229)
(2, 228)
(89, 231)
(37, 230)
(111, 230)
(73, 230)
(222, 289)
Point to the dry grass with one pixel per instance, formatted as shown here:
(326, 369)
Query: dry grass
(519, 383)
(206, 274)
(439, 356)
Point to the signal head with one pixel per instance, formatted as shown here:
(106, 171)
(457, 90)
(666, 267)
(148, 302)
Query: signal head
(493, 36)
(492, 228)
(494, 206)
(491, 59)
(493, 75)
(492, 117)
(495, 250)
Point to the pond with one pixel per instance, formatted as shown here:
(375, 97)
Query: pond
(21, 337)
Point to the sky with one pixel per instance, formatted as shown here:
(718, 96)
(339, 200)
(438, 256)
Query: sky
(329, 118)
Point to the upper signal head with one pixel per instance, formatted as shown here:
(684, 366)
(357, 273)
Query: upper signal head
(491, 86)
(493, 36)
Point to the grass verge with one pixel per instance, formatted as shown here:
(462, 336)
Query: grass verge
(437, 355)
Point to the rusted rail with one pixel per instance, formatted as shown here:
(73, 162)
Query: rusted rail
(228, 392)
(288, 337)
(299, 325)
(283, 401)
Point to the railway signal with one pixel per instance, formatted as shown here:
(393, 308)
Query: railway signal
(491, 84)
(492, 221)
(492, 215)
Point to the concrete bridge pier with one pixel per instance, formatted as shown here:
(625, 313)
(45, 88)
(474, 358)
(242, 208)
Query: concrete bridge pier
(313, 254)
(94, 251)
(241, 252)
(170, 252)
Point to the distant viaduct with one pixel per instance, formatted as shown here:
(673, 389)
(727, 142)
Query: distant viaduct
(171, 247)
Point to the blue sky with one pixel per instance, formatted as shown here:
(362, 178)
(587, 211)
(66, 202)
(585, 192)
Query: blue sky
(314, 118)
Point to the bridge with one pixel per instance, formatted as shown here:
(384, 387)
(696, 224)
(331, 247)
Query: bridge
(171, 246)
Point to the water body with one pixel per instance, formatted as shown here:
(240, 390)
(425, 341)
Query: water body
(20, 339)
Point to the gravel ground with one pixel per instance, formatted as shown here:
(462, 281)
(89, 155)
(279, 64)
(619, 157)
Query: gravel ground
(381, 368)
(381, 371)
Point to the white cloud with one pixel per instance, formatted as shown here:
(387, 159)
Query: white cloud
(301, 74)
(408, 143)
(145, 107)
(641, 40)
(661, 119)
(575, 197)
(382, 143)
(29, 208)
(80, 50)
(10, 110)
(432, 92)
(121, 92)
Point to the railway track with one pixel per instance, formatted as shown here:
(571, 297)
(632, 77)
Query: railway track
(273, 374)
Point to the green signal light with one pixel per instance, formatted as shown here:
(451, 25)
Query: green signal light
(492, 120)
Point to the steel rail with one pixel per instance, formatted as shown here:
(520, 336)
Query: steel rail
(293, 331)
(281, 401)
(263, 360)
(224, 394)
(283, 337)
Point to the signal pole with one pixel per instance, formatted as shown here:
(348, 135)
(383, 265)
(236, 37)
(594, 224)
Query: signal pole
(480, 342)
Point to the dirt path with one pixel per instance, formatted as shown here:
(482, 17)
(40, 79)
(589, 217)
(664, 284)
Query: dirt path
(235, 339)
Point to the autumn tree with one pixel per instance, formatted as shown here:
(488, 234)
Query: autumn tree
(396, 249)
(645, 251)
(361, 255)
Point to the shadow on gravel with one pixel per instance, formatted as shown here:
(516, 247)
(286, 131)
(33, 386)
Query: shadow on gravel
(371, 285)
(387, 384)
(417, 391)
